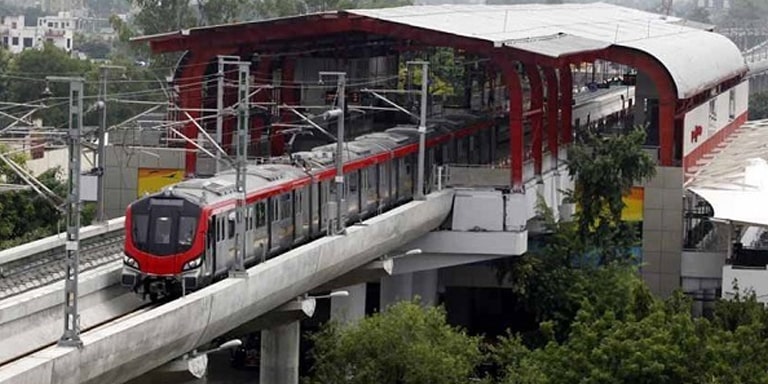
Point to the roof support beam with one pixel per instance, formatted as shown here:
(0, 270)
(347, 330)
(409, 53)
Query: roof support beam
(516, 134)
(537, 102)
(553, 109)
(566, 103)
(666, 90)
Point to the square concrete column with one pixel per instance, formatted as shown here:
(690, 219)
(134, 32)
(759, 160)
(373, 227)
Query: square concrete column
(351, 308)
(425, 286)
(280, 354)
(394, 289)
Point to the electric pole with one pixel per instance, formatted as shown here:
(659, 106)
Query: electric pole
(341, 81)
(219, 110)
(242, 156)
(71, 336)
(102, 161)
(419, 195)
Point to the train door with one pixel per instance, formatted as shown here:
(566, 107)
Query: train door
(405, 185)
(301, 214)
(210, 246)
(353, 194)
(370, 194)
(323, 198)
(429, 164)
(220, 263)
(272, 238)
(260, 237)
(230, 239)
(314, 207)
(383, 184)
(394, 179)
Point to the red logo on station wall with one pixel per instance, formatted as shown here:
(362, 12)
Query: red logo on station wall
(697, 131)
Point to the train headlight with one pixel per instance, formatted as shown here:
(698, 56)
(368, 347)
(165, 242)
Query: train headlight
(192, 264)
(130, 261)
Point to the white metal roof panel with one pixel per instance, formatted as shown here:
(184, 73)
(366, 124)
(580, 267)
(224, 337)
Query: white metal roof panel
(735, 181)
(557, 45)
(696, 59)
(746, 207)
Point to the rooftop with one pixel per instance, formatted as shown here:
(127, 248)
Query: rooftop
(696, 59)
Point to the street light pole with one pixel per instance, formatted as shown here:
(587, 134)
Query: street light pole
(419, 195)
(71, 336)
(341, 80)
(102, 161)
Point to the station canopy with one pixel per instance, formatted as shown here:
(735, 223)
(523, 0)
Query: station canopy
(696, 58)
(734, 181)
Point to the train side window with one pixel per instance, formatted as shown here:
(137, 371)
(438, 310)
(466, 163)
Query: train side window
(260, 214)
(272, 209)
(286, 206)
(187, 226)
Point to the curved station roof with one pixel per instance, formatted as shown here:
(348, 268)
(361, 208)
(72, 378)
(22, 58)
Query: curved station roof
(696, 59)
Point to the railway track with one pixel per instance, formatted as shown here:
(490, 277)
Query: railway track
(48, 267)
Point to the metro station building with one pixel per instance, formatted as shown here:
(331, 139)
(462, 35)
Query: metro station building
(520, 63)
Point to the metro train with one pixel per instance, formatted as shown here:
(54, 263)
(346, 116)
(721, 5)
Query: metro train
(183, 238)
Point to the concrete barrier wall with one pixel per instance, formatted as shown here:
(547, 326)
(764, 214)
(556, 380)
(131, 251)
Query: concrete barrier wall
(36, 318)
(51, 242)
(127, 348)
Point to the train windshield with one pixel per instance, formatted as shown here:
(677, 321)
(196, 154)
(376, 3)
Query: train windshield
(164, 226)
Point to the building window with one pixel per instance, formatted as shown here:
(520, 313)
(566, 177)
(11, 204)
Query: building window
(27, 42)
(5, 41)
(69, 43)
(713, 115)
(15, 41)
(732, 104)
(50, 24)
(13, 25)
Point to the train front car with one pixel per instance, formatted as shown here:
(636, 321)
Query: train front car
(164, 245)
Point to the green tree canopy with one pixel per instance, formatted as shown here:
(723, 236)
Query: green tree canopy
(406, 344)
(604, 168)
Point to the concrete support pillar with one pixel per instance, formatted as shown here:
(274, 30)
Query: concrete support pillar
(280, 354)
(351, 308)
(394, 289)
(425, 286)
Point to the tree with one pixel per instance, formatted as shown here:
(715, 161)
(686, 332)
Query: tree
(406, 344)
(758, 106)
(28, 216)
(554, 280)
(698, 14)
(604, 169)
(655, 342)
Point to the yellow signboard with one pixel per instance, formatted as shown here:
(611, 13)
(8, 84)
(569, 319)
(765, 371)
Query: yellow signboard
(152, 180)
(633, 205)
